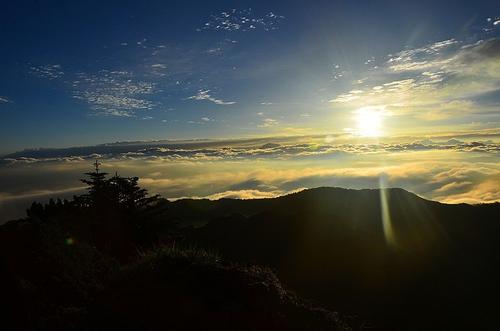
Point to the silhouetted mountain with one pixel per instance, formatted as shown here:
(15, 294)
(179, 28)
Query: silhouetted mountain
(389, 257)
(77, 265)
(436, 271)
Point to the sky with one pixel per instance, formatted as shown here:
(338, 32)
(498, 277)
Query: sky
(335, 91)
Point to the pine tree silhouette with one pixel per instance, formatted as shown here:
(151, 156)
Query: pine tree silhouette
(97, 188)
(116, 193)
(126, 193)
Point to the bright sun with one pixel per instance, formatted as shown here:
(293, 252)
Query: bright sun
(369, 121)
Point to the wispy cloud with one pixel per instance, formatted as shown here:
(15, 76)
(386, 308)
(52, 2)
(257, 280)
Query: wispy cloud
(431, 56)
(5, 100)
(242, 20)
(48, 71)
(115, 93)
(434, 82)
(449, 170)
(268, 122)
(285, 148)
(158, 66)
(205, 95)
(158, 69)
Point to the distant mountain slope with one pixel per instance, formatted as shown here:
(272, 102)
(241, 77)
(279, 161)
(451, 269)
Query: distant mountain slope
(324, 199)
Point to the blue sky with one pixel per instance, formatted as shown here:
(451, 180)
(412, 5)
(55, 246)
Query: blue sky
(80, 73)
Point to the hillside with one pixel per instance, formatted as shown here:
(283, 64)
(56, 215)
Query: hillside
(329, 244)
(97, 263)
(436, 269)
(189, 289)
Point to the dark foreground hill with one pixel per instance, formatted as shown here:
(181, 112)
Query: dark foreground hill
(432, 266)
(79, 265)
(167, 289)
(390, 258)
(190, 289)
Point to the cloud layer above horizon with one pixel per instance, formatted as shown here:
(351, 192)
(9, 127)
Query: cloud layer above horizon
(445, 169)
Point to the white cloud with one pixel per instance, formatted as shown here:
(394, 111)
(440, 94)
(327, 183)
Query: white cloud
(268, 122)
(433, 82)
(214, 50)
(242, 20)
(346, 97)
(267, 169)
(243, 194)
(287, 148)
(204, 95)
(48, 71)
(427, 57)
(4, 100)
(114, 93)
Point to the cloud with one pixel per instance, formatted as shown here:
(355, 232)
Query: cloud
(107, 92)
(242, 20)
(113, 93)
(268, 122)
(243, 194)
(438, 81)
(426, 57)
(283, 148)
(5, 100)
(346, 97)
(158, 66)
(37, 194)
(204, 95)
(48, 71)
(441, 168)
(423, 176)
(158, 69)
(483, 192)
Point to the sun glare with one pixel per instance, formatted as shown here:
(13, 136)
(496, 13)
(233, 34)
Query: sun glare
(369, 121)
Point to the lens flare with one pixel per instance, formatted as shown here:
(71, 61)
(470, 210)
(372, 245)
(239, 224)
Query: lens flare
(386, 216)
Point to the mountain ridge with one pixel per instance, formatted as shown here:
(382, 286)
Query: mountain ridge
(394, 259)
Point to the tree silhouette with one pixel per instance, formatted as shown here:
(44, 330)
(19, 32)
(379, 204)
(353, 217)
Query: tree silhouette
(106, 198)
(97, 188)
(125, 193)
(116, 193)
